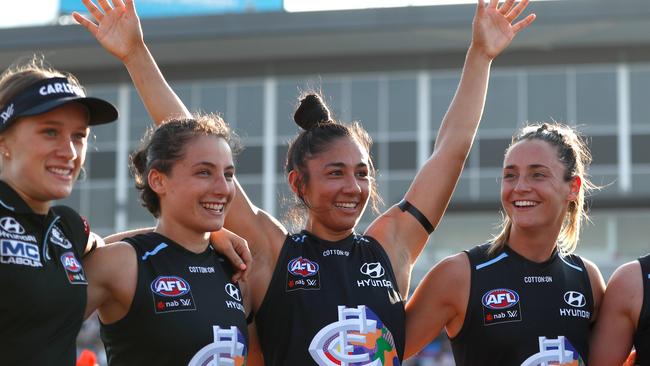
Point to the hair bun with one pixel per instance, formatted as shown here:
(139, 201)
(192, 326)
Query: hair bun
(311, 111)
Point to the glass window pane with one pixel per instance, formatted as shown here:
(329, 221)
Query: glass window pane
(547, 99)
(402, 105)
(213, 98)
(402, 155)
(365, 99)
(102, 207)
(442, 92)
(604, 149)
(332, 91)
(462, 191)
(139, 119)
(641, 183)
(253, 191)
(501, 103)
(73, 200)
(633, 233)
(281, 158)
(491, 151)
(490, 189)
(250, 107)
(101, 165)
(137, 214)
(596, 98)
(250, 160)
(105, 132)
(396, 190)
(288, 93)
(640, 97)
(641, 149)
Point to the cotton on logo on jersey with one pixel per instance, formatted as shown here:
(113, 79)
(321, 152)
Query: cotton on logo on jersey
(501, 306)
(302, 274)
(73, 270)
(172, 293)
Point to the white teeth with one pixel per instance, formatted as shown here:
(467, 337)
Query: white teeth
(60, 171)
(346, 205)
(525, 204)
(213, 206)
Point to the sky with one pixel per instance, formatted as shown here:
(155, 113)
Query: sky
(38, 12)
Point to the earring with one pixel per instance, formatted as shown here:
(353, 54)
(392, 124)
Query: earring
(6, 154)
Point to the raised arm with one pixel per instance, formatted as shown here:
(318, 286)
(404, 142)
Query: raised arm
(492, 31)
(117, 28)
(613, 334)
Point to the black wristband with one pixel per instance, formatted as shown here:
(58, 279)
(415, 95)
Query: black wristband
(405, 205)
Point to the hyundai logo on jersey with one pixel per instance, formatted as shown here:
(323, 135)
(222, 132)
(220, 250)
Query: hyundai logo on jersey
(575, 299)
(172, 293)
(9, 224)
(373, 270)
(73, 270)
(501, 306)
(302, 274)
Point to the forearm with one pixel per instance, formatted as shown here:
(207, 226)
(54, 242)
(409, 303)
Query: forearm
(158, 97)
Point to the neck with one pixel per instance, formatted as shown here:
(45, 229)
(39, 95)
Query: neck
(38, 206)
(194, 241)
(536, 245)
(326, 233)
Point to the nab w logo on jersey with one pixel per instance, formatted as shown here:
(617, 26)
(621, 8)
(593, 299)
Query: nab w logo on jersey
(358, 338)
(172, 293)
(10, 225)
(73, 270)
(228, 349)
(555, 352)
(501, 306)
(302, 274)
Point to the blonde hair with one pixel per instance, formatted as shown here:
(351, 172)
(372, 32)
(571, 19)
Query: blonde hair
(575, 156)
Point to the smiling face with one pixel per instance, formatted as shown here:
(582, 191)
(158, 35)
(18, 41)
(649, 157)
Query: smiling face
(534, 192)
(199, 188)
(43, 154)
(338, 187)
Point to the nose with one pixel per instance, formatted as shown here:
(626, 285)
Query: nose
(522, 184)
(222, 186)
(351, 185)
(67, 150)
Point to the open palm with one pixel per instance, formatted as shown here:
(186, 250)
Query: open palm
(493, 28)
(116, 28)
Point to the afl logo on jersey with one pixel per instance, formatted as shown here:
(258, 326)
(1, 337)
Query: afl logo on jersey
(170, 286)
(70, 262)
(302, 267)
(10, 225)
(500, 299)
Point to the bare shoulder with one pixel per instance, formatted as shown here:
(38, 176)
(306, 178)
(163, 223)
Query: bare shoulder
(111, 259)
(626, 279)
(452, 272)
(593, 271)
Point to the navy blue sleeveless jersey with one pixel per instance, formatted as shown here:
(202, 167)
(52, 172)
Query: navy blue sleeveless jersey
(642, 336)
(185, 310)
(525, 313)
(44, 294)
(332, 303)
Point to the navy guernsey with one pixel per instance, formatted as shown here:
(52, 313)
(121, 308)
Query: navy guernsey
(332, 303)
(185, 310)
(525, 313)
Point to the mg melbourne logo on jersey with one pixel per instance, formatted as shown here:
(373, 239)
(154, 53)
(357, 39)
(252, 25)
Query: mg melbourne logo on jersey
(10, 225)
(228, 349)
(500, 306)
(172, 293)
(73, 270)
(358, 338)
(375, 271)
(21, 253)
(233, 292)
(577, 301)
(302, 274)
(555, 352)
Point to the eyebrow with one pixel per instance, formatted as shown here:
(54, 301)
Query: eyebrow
(212, 165)
(340, 164)
(531, 166)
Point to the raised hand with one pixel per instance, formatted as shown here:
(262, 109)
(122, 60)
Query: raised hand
(116, 27)
(493, 28)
